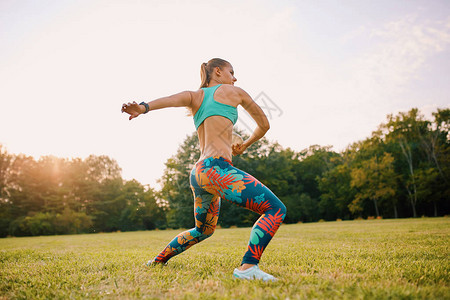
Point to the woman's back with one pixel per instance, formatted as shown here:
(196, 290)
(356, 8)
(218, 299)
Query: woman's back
(215, 132)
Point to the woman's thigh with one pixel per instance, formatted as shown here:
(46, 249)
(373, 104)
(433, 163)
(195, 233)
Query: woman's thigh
(219, 177)
(206, 207)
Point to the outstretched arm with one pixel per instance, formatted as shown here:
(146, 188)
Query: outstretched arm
(260, 118)
(177, 100)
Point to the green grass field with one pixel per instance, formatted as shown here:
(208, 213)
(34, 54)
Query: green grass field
(376, 259)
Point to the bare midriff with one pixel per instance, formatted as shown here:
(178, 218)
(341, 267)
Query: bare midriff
(215, 136)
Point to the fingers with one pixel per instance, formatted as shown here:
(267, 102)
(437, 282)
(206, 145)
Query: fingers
(125, 106)
(237, 149)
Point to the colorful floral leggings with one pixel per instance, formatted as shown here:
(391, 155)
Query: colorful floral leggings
(214, 178)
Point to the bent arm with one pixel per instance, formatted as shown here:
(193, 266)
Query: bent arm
(258, 115)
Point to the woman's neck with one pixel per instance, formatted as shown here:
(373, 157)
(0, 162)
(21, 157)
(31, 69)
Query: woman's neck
(214, 82)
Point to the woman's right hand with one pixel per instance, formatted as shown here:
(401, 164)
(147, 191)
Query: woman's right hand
(133, 109)
(238, 149)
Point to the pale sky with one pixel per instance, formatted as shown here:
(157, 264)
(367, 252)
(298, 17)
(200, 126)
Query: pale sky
(332, 70)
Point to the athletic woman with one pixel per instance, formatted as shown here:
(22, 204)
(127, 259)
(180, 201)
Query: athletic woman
(214, 107)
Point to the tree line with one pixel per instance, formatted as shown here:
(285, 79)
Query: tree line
(60, 196)
(401, 170)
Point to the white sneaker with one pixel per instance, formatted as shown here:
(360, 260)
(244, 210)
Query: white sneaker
(253, 273)
(152, 263)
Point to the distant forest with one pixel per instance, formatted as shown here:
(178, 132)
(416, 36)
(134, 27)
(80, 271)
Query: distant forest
(402, 170)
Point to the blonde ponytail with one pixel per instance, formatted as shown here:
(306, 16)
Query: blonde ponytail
(206, 70)
(204, 75)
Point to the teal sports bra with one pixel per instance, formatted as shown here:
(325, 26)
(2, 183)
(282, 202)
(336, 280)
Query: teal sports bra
(211, 107)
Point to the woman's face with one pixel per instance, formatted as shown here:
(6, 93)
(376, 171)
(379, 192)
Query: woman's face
(226, 74)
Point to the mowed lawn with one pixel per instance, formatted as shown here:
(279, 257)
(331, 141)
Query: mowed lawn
(371, 259)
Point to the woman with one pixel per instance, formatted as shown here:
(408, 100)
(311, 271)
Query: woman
(214, 107)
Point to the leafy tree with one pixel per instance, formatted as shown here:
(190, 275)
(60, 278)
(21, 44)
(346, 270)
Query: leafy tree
(429, 187)
(314, 161)
(106, 204)
(309, 167)
(71, 222)
(404, 132)
(374, 180)
(139, 208)
(336, 191)
(24, 181)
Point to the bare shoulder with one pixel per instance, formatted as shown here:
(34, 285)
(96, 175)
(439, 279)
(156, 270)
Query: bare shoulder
(237, 93)
(232, 89)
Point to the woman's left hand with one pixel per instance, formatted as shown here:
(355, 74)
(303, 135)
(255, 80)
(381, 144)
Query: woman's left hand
(133, 109)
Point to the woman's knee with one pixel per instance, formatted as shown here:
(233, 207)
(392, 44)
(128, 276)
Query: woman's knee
(280, 209)
(204, 234)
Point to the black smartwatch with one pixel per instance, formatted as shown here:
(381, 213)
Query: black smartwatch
(147, 109)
